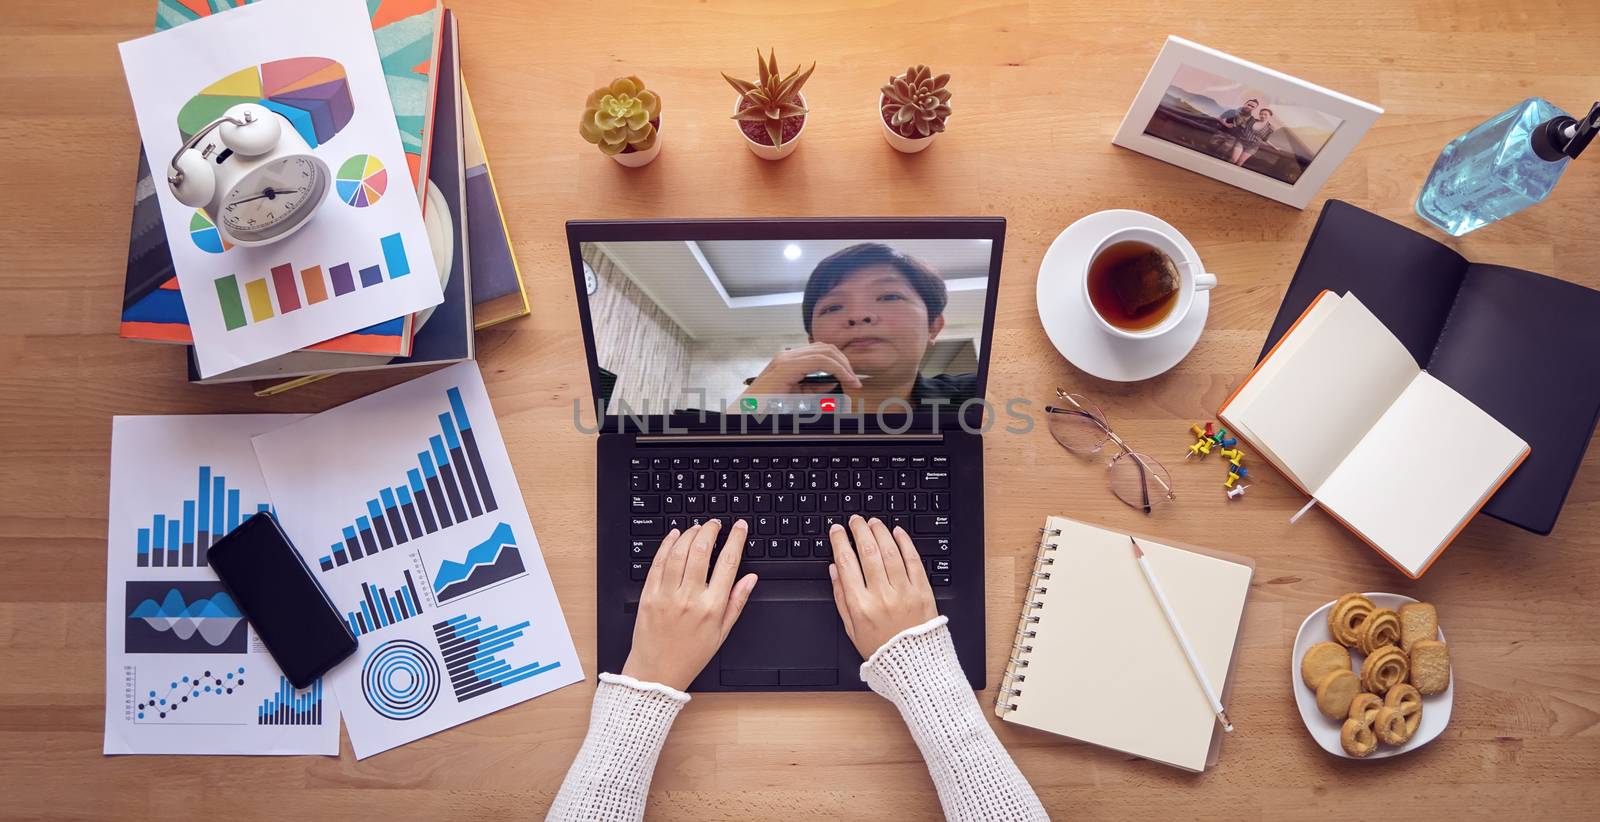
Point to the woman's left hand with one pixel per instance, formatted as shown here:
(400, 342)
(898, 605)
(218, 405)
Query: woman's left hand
(683, 618)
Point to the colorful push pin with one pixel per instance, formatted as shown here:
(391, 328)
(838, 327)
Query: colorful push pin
(1197, 430)
(1238, 471)
(1222, 434)
(1233, 455)
(1208, 429)
(1236, 491)
(1201, 447)
(1232, 478)
(1228, 442)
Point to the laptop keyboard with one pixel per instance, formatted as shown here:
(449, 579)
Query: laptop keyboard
(789, 503)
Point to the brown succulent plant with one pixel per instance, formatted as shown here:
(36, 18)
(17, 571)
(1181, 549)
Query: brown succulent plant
(916, 103)
(772, 98)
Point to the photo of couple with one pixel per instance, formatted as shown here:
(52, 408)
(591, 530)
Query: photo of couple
(1214, 115)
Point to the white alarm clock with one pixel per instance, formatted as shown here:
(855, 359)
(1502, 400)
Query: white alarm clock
(253, 175)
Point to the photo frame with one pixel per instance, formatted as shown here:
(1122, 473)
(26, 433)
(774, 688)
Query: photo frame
(1242, 123)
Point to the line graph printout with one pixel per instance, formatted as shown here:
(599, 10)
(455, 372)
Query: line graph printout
(185, 674)
(406, 505)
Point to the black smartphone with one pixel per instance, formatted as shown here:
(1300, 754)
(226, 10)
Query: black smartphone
(276, 592)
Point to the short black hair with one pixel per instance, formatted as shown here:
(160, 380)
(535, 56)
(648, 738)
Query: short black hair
(840, 265)
(1253, 100)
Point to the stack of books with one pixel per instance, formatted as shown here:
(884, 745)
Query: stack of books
(477, 268)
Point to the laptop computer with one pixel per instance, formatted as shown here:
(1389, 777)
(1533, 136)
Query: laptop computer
(790, 372)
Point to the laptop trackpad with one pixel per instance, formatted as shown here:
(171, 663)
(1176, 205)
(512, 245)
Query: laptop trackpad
(775, 635)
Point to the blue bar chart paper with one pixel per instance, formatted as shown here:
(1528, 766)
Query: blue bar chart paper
(184, 671)
(406, 503)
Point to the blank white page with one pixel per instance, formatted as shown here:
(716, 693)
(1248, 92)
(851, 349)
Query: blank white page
(1105, 667)
(1327, 393)
(1422, 470)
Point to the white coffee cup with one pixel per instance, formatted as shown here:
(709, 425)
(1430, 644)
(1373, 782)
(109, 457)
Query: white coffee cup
(1192, 278)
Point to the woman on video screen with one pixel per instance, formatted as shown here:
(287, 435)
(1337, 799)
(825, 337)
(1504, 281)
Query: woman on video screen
(871, 313)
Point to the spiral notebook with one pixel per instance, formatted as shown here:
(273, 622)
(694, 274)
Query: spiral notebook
(1095, 659)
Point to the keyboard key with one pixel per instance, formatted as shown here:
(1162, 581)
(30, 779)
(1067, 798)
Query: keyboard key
(876, 461)
(919, 461)
(830, 520)
(748, 480)
(638, 570)
(799, 547)
(935, 479)
(694, 503)
(805, 502)
(872, 501)
(783, 502)
(726, 480)
(899, 461)
(883, 480)
(861, 480)
(939, 565)
(672, 503)
(758, 462)
(939, 461)
(658, 463)
(933, 524)
(647, 526)
(932, 546)
(828, 502)
(659, 481)
(836, 461)
(766, 525)
(896, 500)
(838, 480)
(900, 521)
(681, 481)
(771, 480)
(919, 500)
(797, 462)
(941, 500)
(794, 480)
(739, 503)
(761, 503)
(738, 462)
(638, 463)
(678, 522)
(777, 547)
(818, 462)
(638, 481)
(717, 503)
(755, 548)
(719, 462)
(697, 462)
(811, 525)
(905, 480)
(678, 462)
(849, 503)
(789, 525)
(938, 579)
(822, 548)
(858, 461)
(642, 548)
(644, 504)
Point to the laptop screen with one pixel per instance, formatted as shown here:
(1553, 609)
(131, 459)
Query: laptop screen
(801, 325)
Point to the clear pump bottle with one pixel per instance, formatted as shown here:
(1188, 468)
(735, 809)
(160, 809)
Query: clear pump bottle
(1505, 165)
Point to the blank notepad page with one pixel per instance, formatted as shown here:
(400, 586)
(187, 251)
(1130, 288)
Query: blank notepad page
(1105, 667)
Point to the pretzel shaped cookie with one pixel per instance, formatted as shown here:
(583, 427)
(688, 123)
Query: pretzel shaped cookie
(1381, 627)
(1357, 736)
(1383, 669)
(1400, 715)
(1346, 617)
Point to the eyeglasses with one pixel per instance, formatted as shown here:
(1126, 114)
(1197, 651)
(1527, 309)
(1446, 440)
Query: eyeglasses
(1081, 428)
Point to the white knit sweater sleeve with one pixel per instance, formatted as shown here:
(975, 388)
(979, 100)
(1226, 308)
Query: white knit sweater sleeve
(917, 670)
(610, 778)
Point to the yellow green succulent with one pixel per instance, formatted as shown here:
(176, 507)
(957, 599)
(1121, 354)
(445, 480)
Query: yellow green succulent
(620, 115)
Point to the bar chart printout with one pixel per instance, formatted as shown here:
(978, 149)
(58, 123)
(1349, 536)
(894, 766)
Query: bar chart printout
(380, 609)
(471, 651)
(448, 485)
(182, 537)
(291, 707)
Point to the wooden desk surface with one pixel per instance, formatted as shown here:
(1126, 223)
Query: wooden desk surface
(1039, 89)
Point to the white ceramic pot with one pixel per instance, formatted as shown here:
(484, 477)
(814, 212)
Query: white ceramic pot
(767, 152)
(635, 159)
(902, 143)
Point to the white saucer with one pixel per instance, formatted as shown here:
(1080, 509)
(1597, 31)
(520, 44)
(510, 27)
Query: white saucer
(1435, 708)
(1072, 327)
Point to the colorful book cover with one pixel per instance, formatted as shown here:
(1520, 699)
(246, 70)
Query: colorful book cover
(406, 34)
(497, 289)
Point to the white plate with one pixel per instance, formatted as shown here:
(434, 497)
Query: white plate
(1070, 324)
(1435, 708)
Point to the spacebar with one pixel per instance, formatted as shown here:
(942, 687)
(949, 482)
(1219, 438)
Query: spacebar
(787, 569)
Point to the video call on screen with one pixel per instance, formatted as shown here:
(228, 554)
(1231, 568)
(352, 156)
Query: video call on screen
(782, 326)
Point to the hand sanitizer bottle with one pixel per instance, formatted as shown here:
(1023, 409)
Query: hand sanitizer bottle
(1503, 166)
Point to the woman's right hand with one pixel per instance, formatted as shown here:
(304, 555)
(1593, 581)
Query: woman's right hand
(783, 374)
(879, 586)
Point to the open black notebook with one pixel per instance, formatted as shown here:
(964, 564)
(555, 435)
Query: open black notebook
(1522, 346)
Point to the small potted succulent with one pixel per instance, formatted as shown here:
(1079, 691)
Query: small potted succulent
(771, 112)
(624, 120)
(913, 107)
